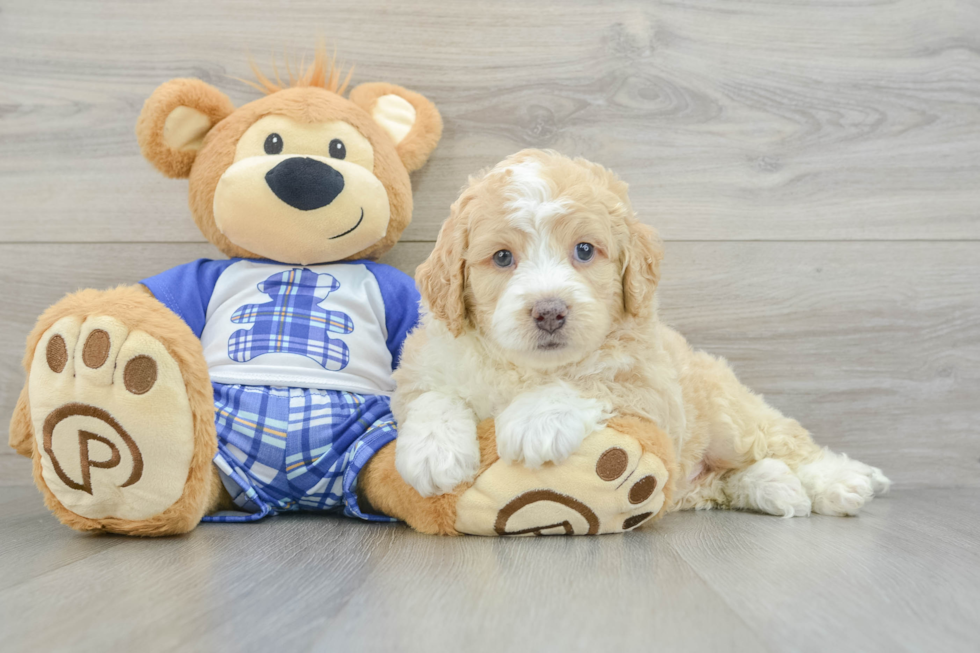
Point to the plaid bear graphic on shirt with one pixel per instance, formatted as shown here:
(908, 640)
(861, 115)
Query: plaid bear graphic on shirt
(293, 322)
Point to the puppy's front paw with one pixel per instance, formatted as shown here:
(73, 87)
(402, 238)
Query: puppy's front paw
(546, 425)
(437, 448)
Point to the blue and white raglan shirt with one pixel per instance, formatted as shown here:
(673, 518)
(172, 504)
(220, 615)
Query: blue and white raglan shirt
(301, 359)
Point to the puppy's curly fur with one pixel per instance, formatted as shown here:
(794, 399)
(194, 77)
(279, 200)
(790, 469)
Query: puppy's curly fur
(513, 243)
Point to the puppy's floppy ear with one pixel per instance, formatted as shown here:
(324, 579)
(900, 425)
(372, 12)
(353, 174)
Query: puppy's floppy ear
(441, 279)
(642, 253)
(174, 121)
(411, 120)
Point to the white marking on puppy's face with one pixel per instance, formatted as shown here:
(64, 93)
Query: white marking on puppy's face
(531, 204)
(543, 306)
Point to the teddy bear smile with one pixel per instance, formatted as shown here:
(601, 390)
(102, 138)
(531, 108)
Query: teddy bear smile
(359, 221)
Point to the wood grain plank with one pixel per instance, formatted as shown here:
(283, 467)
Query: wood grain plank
(15, 471)
(167, 593)
(339, 584)
(520, 595)
(730, 119)
(873, 346)
(902, 576)
(34, 543)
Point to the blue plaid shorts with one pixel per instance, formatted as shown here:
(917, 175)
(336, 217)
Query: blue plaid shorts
(290, 449)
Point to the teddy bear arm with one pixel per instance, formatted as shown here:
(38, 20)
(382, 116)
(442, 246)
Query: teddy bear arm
(621, 477)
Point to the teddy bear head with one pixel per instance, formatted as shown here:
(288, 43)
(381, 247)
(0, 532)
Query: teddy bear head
(302, 175)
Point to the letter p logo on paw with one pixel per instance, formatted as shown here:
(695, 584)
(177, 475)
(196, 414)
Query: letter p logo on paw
(85, 463)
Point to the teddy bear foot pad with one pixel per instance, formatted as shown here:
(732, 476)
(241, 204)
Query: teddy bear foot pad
(609, 485)
(112, 422)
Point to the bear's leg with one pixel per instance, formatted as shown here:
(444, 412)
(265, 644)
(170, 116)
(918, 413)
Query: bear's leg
(21, 431)
(118, 415)
(621, 477)
(381, 489)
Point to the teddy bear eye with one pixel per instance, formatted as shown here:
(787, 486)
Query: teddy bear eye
(273, 144)
(337, 149)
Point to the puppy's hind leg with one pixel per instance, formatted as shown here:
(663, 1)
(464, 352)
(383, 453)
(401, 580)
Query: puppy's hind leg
(781, 461)
(768, 486)
(764, 460)
(835, 484)
(840, 486)
(769, 446)
(789, 467)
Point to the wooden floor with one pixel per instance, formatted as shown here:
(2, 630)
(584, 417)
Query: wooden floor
(814, 168)
(905, 576)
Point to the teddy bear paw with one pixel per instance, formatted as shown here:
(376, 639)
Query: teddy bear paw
(609, 485)
(112, 420)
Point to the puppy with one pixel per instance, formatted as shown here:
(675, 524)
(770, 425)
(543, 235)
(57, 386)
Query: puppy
(542, 314)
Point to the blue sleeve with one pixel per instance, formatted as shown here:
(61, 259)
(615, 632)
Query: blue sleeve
(186, 289)
(401, 301)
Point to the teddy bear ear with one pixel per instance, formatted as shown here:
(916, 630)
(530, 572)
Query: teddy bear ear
(174, 121)
(411, 120)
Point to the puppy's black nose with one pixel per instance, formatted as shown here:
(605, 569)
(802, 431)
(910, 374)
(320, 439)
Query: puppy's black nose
(549, 314)
(305, 183)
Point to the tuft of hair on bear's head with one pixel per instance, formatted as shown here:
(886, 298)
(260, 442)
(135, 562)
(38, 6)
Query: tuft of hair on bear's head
(323, 72)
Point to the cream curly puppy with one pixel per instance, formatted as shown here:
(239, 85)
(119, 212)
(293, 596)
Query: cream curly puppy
(542, 314)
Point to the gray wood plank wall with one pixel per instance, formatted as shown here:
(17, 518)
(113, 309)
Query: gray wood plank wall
(814, 168)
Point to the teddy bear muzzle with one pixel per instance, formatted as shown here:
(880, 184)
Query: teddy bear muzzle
(301, 208)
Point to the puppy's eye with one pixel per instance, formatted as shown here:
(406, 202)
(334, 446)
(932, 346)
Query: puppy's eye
(273, 144)
(503, 259)
(337, 149)
(584, 252)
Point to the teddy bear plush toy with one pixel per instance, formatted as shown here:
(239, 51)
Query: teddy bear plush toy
(228, 390)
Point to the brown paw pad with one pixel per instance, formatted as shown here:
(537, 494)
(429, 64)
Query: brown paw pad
(140, 374)
(643, 489)
(636, 520)
(57, 354)
(612, 464)
(96, 349)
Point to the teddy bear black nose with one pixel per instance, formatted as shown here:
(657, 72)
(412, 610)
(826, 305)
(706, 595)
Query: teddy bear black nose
(305, 183)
